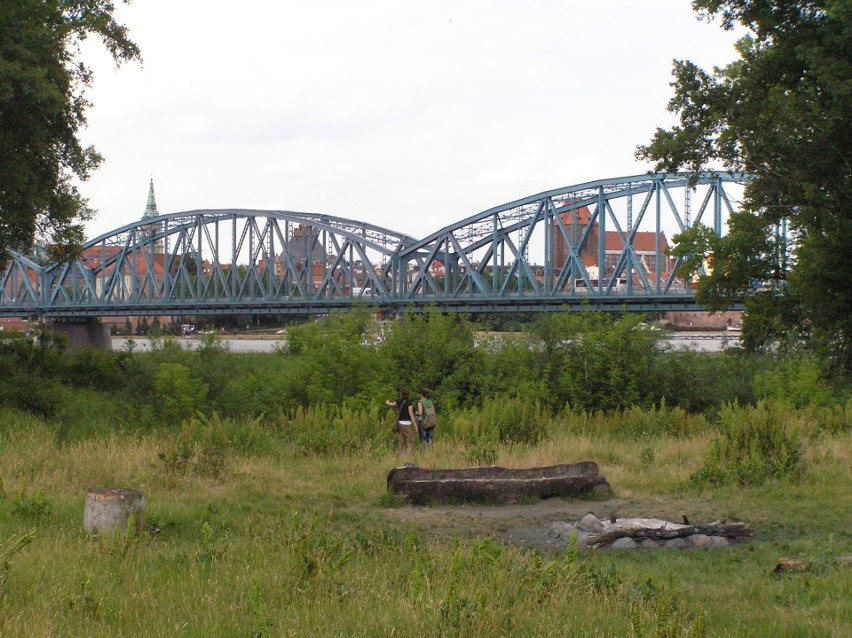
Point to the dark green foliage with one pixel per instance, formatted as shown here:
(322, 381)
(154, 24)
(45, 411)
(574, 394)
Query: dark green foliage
(755, 445)
(327, 394)
(594, 361)
(797, 381)
(199, 448)
(180, 395)
(340, 355)
(328, 429)
(99, 369)
(142, 328)
(783, 113)
(42, 109)
(438, 352)
(701, 383)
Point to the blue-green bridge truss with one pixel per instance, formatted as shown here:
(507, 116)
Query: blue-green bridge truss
(599, 245)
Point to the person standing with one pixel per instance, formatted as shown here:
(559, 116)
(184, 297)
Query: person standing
(404, 419)
(427, 419)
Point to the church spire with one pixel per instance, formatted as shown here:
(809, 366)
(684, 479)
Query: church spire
(151, 207)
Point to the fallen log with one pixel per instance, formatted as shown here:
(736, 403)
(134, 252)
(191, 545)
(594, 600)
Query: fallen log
(666, 531)
(496, 484)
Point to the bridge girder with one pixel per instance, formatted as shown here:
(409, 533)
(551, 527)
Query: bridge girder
(584, 246)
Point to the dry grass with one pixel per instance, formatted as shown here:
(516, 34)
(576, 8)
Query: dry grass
(240, 554)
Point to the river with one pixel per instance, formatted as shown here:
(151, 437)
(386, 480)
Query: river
(701, 341)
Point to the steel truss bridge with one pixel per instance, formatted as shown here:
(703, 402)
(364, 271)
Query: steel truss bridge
(599, 245)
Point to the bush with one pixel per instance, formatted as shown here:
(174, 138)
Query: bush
(594, 361)
(325, 429)
(504, 418)
(634, 422)
(795, 380)
(181, 395)
(702, 383)
(754, 445)
(198, 448)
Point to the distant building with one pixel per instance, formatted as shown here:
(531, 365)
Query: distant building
(578, 225)
(151, 213)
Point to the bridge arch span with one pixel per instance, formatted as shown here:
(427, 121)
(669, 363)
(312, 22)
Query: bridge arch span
(599, 244)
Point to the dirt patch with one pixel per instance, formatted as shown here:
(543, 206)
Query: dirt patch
(528, 524)
(523, 524)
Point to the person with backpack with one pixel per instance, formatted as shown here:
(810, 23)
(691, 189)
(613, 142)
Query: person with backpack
(427, 419)
(404, 420)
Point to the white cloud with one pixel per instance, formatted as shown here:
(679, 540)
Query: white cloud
(407, 114)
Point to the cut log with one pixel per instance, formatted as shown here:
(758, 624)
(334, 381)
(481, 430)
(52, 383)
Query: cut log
(496, 484)
(667, 531)
(110, 508)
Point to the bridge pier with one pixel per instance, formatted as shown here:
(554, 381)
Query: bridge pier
(87, 332)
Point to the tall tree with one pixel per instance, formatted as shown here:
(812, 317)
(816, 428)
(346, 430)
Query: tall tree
(42, 109)
(782, 113)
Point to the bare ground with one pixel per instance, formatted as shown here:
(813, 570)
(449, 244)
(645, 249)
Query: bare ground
(528, 524)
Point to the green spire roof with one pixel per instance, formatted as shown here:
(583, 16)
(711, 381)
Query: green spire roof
(151, 207)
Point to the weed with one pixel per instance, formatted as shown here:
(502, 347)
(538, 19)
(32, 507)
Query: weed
(754, 445)
(655, 613)
(36, 508)
(260, 616)
(199, 448)
(211, 547)
(119, 542)
(482, 453)
(12, 546)
(83, 600)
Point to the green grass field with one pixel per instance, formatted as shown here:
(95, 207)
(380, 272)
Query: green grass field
(281, 543)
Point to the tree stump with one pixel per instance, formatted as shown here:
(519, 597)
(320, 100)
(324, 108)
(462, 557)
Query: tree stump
(110, 508)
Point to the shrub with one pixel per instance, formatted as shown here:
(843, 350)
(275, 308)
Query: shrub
(330, 429)
(503, 418)
(180, 394)
(796, 380)
(754, 445)
(702, 383)
(198, 448)
(595, 361)
(634, 422)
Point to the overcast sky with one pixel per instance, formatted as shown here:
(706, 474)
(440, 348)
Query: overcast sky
(410, 114)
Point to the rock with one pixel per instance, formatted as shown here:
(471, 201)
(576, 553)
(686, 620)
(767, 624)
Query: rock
(787, 565)
(719, 541)
(560, 529)
(624, 543)
(844, 561)
(677, 543)
(647, 543)
(700, 540)
(590, 524)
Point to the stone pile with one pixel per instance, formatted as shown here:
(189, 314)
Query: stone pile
(646, 533)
